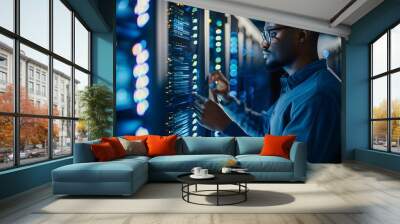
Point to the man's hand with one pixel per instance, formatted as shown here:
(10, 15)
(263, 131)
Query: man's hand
(211, 115)
(221, 84)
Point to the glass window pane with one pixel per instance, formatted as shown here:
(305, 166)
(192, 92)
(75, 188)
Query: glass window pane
(6, 74)
(81, 45)
(81, 81)
(34, 96)
(379, 97)
(7, 14)
(62, 138)
(62, 29)
(81, 131)
(379, 55)
(395, 94)
(395, 136)
(379, 135)
(33, 140)
(395, 47)
(6, 142)
(62, 89)
(35, 21)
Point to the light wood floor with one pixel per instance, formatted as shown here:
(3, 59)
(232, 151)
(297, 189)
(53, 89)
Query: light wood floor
(377, 188)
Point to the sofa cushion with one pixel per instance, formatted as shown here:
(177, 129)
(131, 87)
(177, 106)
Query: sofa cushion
(257, 163)
(277, 145)
(185, 163)
(116, 145)
(207, 145)
(135, 147)
(249, 145)
(111, 171)
(103, 152)
(161, 145)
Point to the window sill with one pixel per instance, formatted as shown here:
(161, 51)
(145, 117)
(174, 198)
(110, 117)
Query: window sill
(390, 161)
(25, 167)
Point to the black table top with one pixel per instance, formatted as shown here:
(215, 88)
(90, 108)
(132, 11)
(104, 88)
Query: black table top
(220, 178)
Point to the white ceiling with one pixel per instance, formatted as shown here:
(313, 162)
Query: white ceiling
(316, 15)
(321, 9)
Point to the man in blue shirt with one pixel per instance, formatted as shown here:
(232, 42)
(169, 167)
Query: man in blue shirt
(308, 105)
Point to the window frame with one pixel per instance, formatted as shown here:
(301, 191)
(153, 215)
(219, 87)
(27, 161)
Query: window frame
(16, 114)
(388, 74)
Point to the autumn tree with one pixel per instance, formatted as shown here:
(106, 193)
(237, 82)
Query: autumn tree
(33, 131)
(380, 127)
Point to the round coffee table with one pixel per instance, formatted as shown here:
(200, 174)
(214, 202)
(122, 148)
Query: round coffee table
(238, 179)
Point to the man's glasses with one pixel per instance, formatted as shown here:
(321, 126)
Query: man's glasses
(267, 35)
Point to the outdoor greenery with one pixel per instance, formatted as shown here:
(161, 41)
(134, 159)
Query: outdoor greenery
(96, 103)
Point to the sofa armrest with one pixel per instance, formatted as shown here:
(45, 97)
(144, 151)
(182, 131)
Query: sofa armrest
(83, 152)
(298, 155)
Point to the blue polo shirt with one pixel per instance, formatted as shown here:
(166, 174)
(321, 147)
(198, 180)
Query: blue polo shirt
(308, 107)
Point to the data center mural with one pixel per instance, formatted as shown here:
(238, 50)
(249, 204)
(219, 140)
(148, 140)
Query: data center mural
(259, 88)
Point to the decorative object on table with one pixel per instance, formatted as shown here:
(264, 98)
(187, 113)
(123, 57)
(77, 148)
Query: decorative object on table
(200, 173)
(226, 170)
(196, 170)
(232, 163)
(96, 102)
(230, 170)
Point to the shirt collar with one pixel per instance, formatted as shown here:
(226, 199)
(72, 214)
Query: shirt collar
(289, 82)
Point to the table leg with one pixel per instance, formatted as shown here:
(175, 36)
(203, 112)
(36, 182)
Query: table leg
(245, 193)
(217, 194)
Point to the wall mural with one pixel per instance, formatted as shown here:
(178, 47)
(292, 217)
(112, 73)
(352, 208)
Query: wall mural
(227, 76)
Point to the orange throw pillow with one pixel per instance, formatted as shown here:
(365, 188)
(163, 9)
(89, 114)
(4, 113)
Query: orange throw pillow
(103, 152)
(116, 145)
(135, 138)
(277, 145)
(161, 145)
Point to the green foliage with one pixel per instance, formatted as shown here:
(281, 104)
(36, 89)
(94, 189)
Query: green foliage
(96, 102)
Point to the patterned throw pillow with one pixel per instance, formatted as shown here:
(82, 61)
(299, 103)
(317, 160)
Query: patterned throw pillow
(136, 147)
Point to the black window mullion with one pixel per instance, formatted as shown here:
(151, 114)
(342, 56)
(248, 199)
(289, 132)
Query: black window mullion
(50, 79)
(389, 106)
(16, 84)
(73, 82)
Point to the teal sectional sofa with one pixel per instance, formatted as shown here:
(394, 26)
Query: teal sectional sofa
(125, 176)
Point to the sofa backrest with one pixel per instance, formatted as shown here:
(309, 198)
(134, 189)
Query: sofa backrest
(249, 145)
(206, 145)
(83, 152)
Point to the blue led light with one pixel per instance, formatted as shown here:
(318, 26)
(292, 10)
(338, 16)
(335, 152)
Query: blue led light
(142, 131)
(219, 22)
(140, 69)
(143, 19)
(142, 82)
(141, 8)
(143, 43)
(142, 57)
(218, 49)
(140, 94)
(142, 107)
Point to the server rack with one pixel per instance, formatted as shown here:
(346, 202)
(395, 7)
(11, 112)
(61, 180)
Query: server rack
(185, 68)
